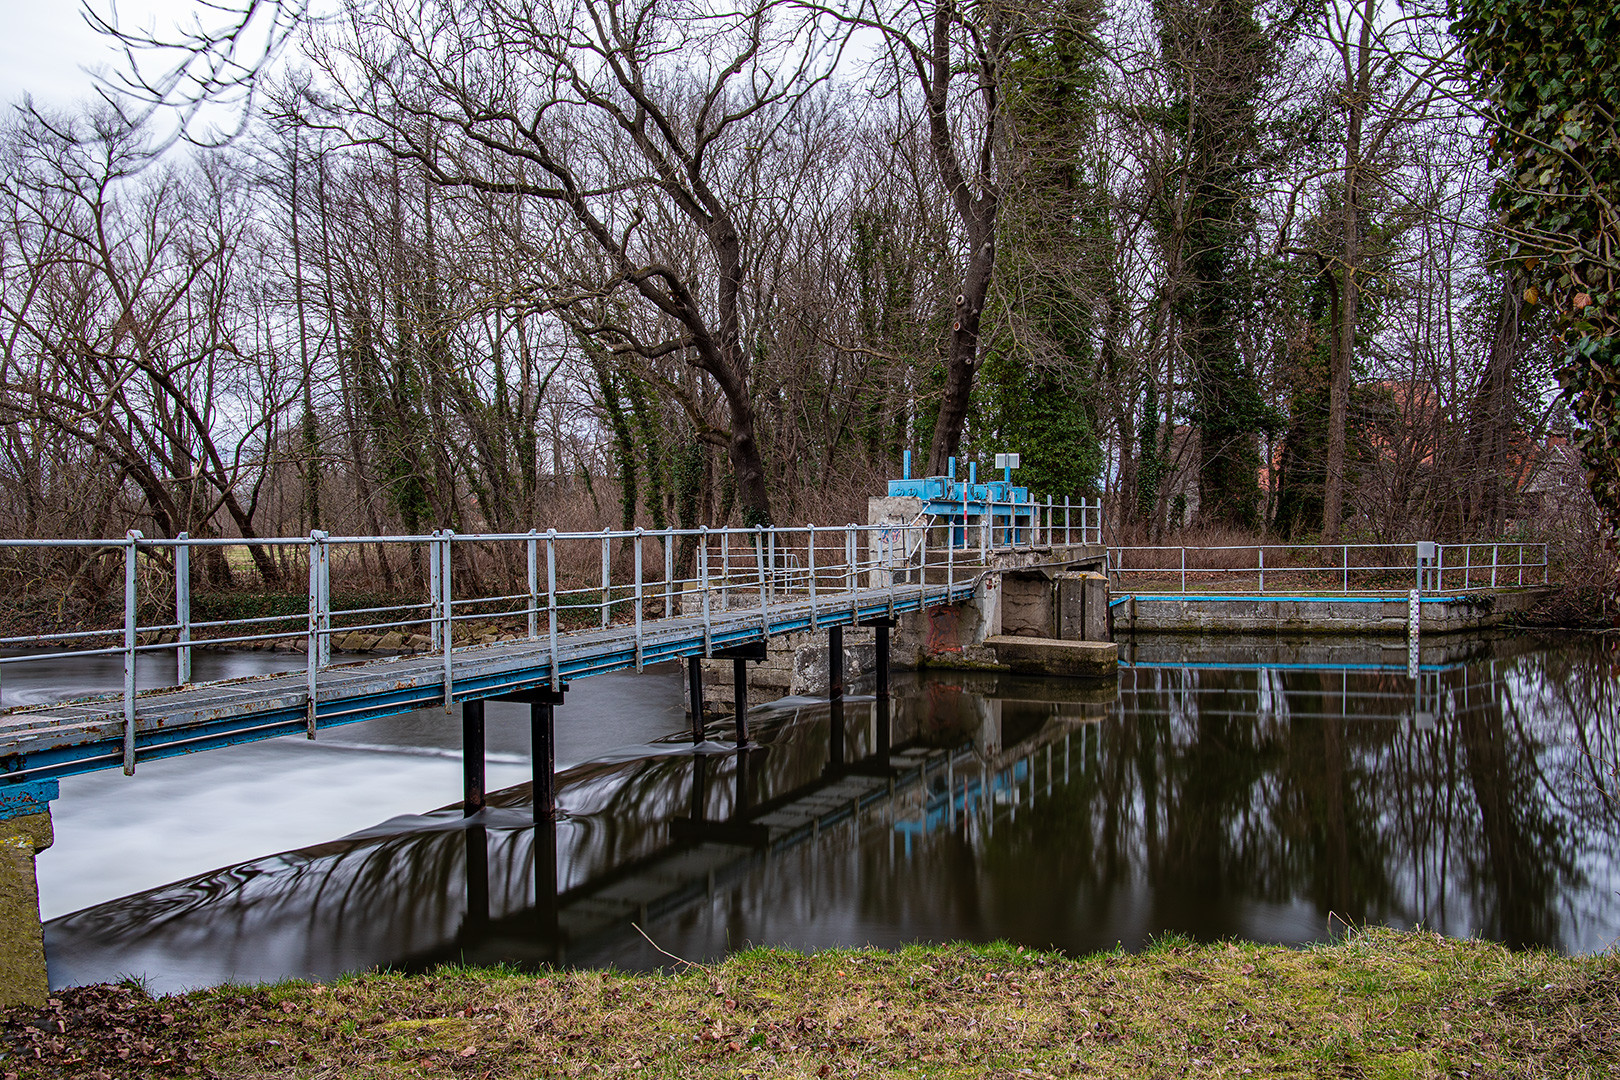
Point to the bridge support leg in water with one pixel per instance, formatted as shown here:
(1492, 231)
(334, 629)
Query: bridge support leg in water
(881, 704)
(25, 831)
(739, 655)
(739, 676)
(472, 757)
(694, 689)
(835, 696)
(543, 745)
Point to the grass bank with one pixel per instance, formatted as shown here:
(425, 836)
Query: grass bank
(1379, 1004)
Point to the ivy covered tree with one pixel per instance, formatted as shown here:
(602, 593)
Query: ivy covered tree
(1547, 70)
(1038, 394)
(1218, 57)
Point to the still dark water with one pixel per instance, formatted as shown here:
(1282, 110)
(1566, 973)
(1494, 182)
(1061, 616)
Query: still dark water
(1250, 788)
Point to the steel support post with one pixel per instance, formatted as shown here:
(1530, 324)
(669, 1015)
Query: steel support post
(835, 696)
(542, 740)
(472, 757)
(739, 676)
(883, 734)
(694, 687)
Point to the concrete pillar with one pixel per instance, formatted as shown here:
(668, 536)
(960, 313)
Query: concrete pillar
(25, 831)
(1082, 601)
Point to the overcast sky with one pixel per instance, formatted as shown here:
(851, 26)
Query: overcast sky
(46, 47)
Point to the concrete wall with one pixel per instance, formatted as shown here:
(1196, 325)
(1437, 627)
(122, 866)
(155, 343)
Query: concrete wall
(22, 939)
(1325, 616)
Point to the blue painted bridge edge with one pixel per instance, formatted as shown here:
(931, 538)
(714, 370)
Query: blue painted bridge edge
(30, 780)
(27, 797)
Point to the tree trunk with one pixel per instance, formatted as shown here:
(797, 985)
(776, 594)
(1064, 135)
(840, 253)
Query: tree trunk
(1358, 86)
(964, 344)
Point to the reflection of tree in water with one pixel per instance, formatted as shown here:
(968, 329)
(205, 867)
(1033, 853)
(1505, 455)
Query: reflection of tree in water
(1472, 806)
(1246, 801)
(401, 889)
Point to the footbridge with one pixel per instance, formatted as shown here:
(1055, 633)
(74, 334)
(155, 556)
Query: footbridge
(511, 617)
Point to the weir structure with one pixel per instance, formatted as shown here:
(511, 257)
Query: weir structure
(738, 590)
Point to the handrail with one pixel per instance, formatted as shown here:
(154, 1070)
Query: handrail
(590, 581)
(1425, 564)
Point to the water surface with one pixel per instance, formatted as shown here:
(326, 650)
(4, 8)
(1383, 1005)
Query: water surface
(1270, 790)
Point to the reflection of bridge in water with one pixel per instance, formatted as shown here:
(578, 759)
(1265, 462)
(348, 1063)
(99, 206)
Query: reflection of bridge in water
(1215, 798)
(636, 841)
(912, 787)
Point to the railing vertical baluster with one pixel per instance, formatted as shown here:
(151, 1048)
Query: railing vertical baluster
(849, 565)
(312, 649)
(760, 542)
(607, 577)
(1347, 569)
(1068, 537)
(922, 565)
(533, 544)
(182, 608)
(894, 573)
(637, 543)
(434, 590)
(950, 562)
(1493, 565)
(323, 630)
(703, 582)
(669, 573)
(131, 618)
(725, 564)
(1468, 563)
(1183, 569)
(1262, 553)
(446, 610)
(1520, 561)
(811, 561)
(551, 607)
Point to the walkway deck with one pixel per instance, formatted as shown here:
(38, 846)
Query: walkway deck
(83, 736)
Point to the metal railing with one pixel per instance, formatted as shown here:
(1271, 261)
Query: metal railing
(535, 586)
(1342, 568)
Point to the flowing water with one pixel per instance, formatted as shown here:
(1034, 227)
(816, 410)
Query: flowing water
(1269, 790)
